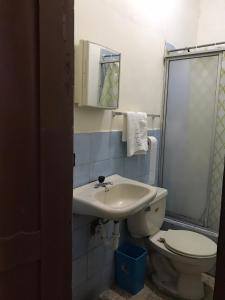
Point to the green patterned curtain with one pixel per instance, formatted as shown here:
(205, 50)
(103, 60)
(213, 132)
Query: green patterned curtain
(218, 157)
(110, 90)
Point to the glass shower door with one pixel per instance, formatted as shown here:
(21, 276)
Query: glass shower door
(189, 136)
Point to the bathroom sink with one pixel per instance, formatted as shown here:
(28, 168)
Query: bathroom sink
(123, 198)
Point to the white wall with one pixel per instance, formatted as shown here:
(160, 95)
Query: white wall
(138, 29)
(211, 26)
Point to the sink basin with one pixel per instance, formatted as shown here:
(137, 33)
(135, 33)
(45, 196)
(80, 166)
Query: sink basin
(123, 198)
(122, 195)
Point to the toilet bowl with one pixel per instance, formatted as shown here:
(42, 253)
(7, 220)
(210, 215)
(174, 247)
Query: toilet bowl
(178, 257)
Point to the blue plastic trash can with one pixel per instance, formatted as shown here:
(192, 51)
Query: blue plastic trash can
(130, 267)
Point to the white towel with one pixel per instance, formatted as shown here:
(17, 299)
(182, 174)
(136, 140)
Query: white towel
(135, 133)
(153, 144)
(124, 132)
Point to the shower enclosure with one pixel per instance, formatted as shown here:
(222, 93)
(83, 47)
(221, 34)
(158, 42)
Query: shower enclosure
(193, 136)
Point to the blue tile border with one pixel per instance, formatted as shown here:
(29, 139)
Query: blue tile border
(82, 145)
(104, 153)
(81, 174)
(100, 168)
(117, 147)
(99, 142)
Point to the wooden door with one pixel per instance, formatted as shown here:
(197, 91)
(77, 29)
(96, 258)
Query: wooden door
(36, 121)
(219, 293)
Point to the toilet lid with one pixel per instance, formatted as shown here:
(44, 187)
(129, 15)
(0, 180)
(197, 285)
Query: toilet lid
(188, 243)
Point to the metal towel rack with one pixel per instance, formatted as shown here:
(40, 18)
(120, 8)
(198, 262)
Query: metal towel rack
(120, 113)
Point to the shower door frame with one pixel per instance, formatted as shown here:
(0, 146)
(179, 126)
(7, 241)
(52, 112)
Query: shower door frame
(167, 60)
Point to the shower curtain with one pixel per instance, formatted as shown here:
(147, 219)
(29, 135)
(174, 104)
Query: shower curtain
(110, 89)
(218, 156)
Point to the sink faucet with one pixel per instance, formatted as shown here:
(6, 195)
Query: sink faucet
(102, 183)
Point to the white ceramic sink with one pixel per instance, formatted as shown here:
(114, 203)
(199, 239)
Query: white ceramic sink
(123, 198)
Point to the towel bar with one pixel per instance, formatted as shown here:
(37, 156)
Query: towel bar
(120, 113)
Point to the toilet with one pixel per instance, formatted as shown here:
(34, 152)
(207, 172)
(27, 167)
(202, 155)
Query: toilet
(178, 257)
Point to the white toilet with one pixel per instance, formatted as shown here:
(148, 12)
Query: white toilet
(180, 256)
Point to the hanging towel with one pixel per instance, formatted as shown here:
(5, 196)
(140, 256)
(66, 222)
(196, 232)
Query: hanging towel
(135, 133)
(124, 132)
(153, 144)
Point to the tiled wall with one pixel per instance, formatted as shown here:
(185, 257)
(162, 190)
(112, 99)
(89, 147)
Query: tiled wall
(103, 153)
(100, 153)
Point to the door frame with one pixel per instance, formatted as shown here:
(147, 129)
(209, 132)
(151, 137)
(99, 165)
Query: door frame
(220, 265)
(56, 58)
(36, 151)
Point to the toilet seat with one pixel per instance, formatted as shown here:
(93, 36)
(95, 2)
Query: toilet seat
(189, 244)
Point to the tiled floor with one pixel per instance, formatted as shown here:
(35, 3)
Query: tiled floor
(151, 293)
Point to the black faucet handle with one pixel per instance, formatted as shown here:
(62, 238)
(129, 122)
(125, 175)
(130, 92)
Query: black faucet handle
(101, 179)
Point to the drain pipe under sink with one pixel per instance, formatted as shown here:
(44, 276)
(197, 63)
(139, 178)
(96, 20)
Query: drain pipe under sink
(116, 235)
(98, 228)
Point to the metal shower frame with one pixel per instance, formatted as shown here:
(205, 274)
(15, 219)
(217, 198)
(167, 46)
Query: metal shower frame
(172, 56)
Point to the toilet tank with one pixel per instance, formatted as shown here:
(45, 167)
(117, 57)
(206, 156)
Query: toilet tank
(147, 222)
